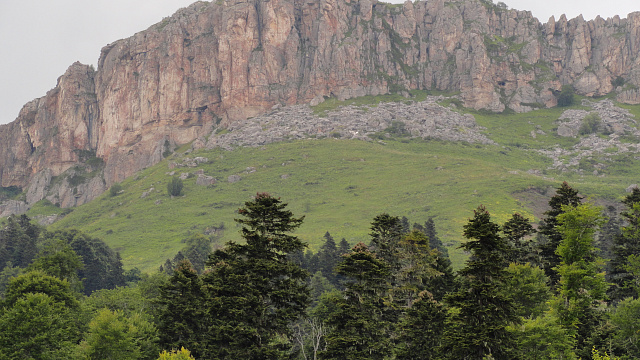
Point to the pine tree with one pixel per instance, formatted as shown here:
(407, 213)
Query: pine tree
(358, 322)
(386, 232)
(550, 237)
(253, 290)
(343, 247)
(182, 310)
(477, 327)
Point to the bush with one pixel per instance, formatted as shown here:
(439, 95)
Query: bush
(619, 81)
(566, 96)
(590, 124)
(174, 187)
(115, 189)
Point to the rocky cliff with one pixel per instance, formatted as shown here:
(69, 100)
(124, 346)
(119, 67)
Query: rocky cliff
(213, 64)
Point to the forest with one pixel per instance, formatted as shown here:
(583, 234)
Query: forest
(566, 288)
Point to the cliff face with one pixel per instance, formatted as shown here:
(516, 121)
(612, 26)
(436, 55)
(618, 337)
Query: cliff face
(216, 63)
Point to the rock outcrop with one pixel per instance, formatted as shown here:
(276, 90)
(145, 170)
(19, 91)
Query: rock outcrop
(214, 64)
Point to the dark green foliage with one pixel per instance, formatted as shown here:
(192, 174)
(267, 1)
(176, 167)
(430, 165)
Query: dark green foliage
(477, 327)
(420, 330)
(253, 291)
(328, 258)
(343, 247)
(115, 189)
(359, 329)
(9, 192)
(197, 251)
(18, 242)
(517, 233)
(58, 259)
(566, 96)
(624, 245)
(175, 186)
(102, 266)
(429, 229)
(386, 232)
(37, 326)
(182, 311)
(549, 238)
(618, 81)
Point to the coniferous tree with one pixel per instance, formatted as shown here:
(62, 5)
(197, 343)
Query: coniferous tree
(359, 329)
(182, 310)
(253, 291)
(550, 237)
(386, 232)
(517, 231)
(420, 329)
(328, 258)
(343, 247)
(625, 245)
(477, 327)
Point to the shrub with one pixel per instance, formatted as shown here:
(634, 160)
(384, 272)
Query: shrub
(174, 187)
(115, 189)
(566, 96)
(590, 124)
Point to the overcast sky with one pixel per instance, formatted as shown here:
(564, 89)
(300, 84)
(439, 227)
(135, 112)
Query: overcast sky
(39, 39)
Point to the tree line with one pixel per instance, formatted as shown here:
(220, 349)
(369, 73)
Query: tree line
(523, 293)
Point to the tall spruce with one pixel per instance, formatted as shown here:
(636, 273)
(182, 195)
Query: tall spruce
(359, 329)
(477, 327)
(254, 292)
(625, 245)
(550, 238)
(328, 258)
(420, 329)
(182, 310)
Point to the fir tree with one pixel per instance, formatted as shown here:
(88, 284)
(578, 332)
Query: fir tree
(182, 312)
(420, 329)
(550, 237)
(253, 290)
(477, 327)
(358, 325)
(517, 231)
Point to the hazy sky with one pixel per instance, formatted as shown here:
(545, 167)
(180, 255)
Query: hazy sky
(39, 39)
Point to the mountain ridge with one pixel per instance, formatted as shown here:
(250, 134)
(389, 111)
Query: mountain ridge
(213, 64)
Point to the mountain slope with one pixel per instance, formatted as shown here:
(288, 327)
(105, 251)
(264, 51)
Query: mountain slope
(213, 64)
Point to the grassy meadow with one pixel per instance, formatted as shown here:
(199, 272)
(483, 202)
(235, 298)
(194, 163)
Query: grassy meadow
(340, 185)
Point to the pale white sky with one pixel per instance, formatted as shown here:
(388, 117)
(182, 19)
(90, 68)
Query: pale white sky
(39, 39)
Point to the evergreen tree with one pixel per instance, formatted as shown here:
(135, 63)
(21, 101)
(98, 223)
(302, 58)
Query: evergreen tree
(253, 291)
(18, 242)
(444, 283)
(182, 311)
(550, 237)
(582, 286)
(517, 231)
(386, 232)
(477, 327)
(328, 258)
(359, 329)
(420, 329)
(343, 247)
(415, 268)
(625, 245)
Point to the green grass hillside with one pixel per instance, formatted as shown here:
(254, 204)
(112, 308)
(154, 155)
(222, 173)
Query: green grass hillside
(340, 185)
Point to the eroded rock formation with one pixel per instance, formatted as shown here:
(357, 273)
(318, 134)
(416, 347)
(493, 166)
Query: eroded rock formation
(216, 63)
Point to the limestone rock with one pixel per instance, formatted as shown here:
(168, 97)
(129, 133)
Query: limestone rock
(204, 180)
(215, 64)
